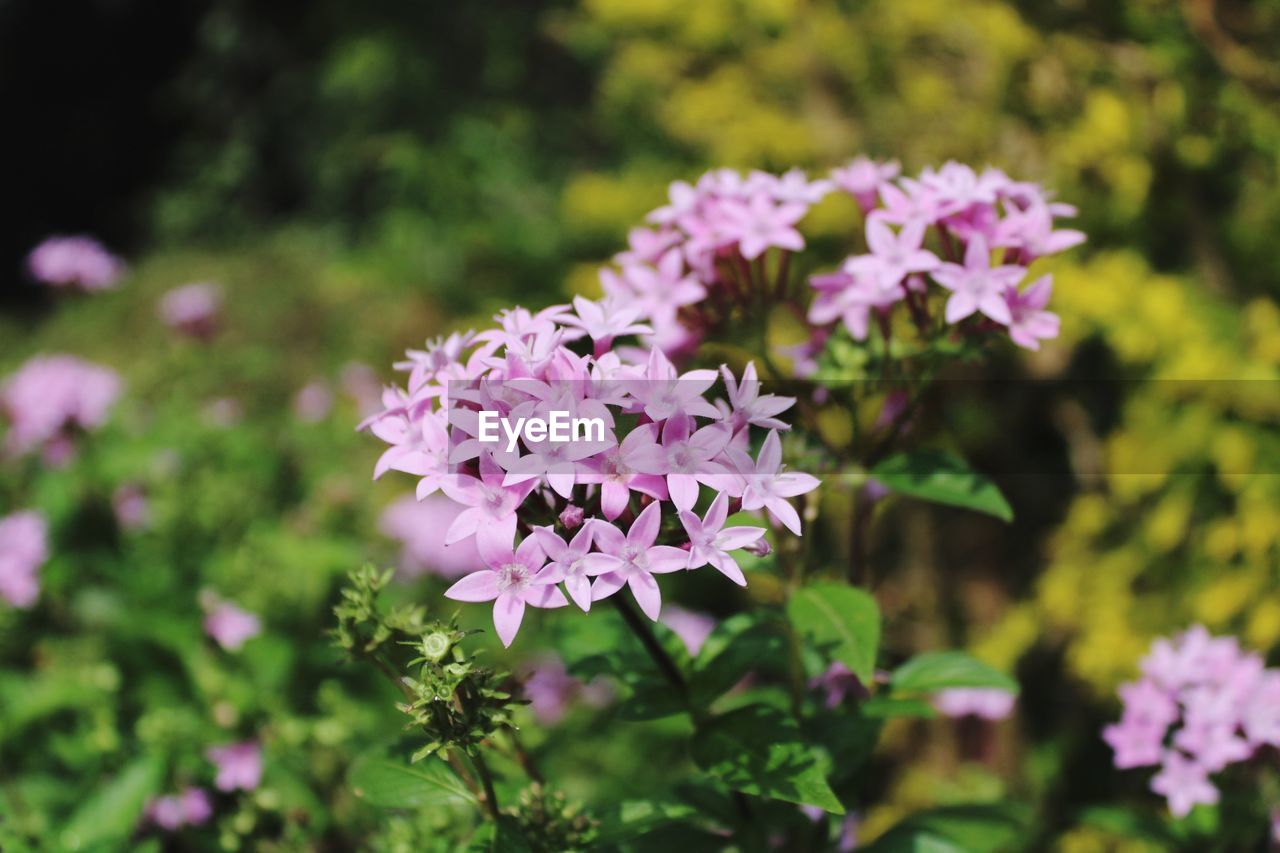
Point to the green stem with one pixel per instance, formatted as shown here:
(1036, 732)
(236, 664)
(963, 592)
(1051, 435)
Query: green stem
(649, 640)
(482, 770)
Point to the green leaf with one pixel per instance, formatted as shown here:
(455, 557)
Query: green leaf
(933, 671)
(889, 707)
(955, 829)
(842, 621)
(112, 812)
(942, 478)
(634, 818)
(759, 750)
(743, 643)
(390, 784)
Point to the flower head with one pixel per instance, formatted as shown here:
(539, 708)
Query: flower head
(239, 765)
(23, 550)
(80, 262)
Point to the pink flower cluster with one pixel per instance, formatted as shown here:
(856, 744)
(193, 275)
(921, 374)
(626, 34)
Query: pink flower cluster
(24, 549)
(80, 262)
(681, 276)
(661, 441)
(52, 396)
(707, 250)
(1201, 705)
(193, 309)
(972, 215)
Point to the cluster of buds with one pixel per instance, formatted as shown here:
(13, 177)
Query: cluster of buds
(51, 398)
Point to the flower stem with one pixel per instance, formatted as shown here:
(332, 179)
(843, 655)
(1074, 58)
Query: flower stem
(482, 770)
(649, 640)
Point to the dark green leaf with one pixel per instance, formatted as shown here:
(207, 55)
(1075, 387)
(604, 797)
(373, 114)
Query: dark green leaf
(841, 621)
(933, 671)
(634, 818)
(391, 784)
(741, 644)
(759, 750)
(942, 478)
(955, 829)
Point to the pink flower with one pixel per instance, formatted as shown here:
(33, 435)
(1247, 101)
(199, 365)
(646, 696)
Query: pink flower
(570, 561)
(1030, 323)
(794, 187)
(24, 549)
(313, 402)
(193, 309)
(551, 691)
(491, 506)
(664, 392)
(634, 464)
(895, 256)
(633, 560)
(692, 458)
(417, 525)
(230, 626)
(190, 807)
(419, 444)
(239, 765)
(838, 683)
(862, 179)
(50, 397)
(74, 262)
(1136, 744)
(710, 541)
(510, 580)
(1184, 783)
(760, 223)
(976, 286)
(746, 405)
(691, 627)
(131, 508)
(1031, 232)
(768, 485)
(988, 703)
(607, 319)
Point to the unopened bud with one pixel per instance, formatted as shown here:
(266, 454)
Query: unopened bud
(759, 548)
(571, 518)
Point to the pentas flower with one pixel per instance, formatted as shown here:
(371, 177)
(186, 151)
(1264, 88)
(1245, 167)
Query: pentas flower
(977, 286)
(989, 703)
(491, 505)
(569, 561)
(746, 407)
(1029, 323)
(512, 578)
(230, 626)
(551, 691)
(190, 807)
(80, 262)
(895, 256)
(24, 549)
(632, 560)
(51, 398)
(767, 485)
(710, 541)
(193, 309)
(691, 627)
(863, 177)
(239, 765)
(1201, 705)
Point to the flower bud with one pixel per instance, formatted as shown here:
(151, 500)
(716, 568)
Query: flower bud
(759, 548)
(571, 518)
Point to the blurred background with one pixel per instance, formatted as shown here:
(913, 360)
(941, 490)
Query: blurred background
(358, 177)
